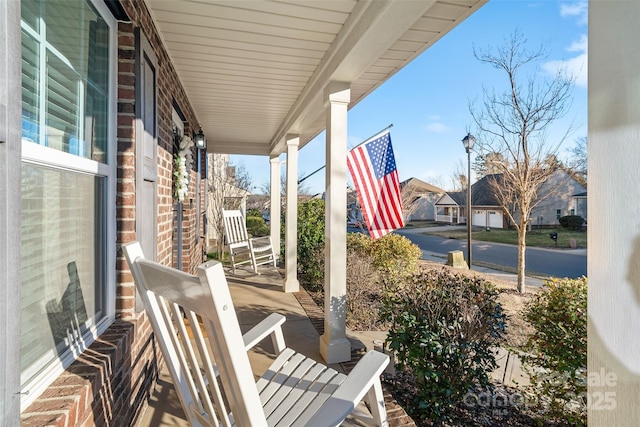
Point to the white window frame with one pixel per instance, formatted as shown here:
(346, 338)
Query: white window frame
(41, 155)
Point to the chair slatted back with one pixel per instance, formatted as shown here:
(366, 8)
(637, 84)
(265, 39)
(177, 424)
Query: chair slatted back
(217, 365)
(235, 227)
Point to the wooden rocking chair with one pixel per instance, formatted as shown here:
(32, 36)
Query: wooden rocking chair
(259, 250)
(212, 374)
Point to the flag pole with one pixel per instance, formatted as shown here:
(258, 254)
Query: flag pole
(371, 138)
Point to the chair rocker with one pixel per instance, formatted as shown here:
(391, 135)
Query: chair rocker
(212, 373)
(259, 250)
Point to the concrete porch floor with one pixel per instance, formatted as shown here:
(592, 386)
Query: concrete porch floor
(255, 297)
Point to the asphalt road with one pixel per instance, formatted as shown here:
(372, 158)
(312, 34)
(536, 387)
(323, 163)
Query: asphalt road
(551, 262)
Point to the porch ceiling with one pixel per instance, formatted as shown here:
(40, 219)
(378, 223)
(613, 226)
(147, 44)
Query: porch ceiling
(255, 70)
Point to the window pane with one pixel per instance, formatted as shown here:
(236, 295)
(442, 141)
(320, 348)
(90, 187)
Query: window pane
(63, 253)
(30, 10)
(62, 109)
(76, 87)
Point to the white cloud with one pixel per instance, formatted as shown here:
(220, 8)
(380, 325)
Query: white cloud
(575, 9)
(436, 127)
(576, 66)
(580, 45)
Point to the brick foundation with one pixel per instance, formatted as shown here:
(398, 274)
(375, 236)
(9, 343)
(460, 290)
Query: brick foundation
(108, 385)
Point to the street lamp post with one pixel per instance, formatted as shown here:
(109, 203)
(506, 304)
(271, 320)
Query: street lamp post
(468, 142)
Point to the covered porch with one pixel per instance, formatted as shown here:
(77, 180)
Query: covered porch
(257, 78)
(267, 78)
(450, 214)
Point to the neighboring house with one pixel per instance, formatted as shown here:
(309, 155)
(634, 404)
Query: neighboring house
(354, 213)
(487, 212)
(261, 202)
(563, 187)
(419, 199)
(580, 203)
(449, 207)
(222, 193)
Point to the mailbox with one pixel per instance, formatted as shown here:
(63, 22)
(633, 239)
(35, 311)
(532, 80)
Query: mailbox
(554, 237)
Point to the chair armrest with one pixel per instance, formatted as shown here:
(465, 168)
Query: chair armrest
(271, 325)
(357, 384)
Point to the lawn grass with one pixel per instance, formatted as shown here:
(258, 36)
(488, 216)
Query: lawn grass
(538, 238)
(421, 224)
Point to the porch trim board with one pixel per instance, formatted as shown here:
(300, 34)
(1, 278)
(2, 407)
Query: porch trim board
(10, 170)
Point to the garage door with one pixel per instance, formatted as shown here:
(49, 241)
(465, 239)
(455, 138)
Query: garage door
(495, 219)
(479, 218)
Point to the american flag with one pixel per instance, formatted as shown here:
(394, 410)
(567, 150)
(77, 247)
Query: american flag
(373, 169)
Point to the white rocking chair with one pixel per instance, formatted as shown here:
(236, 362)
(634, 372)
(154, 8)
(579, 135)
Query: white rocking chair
(259, 250)
(216, 386)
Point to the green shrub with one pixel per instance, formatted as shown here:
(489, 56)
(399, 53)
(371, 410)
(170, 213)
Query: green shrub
(358, 242)
(257, 227)
(254, 222)
(442, 327)
(311, 243)
(254, 212)
(557, 350)
(572, 222)
(394, 257)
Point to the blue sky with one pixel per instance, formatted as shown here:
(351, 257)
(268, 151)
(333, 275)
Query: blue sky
(428, 101)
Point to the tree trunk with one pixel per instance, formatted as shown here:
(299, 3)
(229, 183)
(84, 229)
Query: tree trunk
(522, 234)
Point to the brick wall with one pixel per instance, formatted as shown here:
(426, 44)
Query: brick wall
(109, 384)
(97, 390)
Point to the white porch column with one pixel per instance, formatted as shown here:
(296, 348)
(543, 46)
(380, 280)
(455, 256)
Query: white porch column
(291, 283)
(274, 210)
(613, 265)
(334, 345)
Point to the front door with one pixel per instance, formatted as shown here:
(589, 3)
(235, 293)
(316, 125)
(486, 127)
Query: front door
(146, 148)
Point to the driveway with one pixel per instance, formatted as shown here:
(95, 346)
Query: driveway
(550, 262)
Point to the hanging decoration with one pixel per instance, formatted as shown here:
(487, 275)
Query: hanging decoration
(182, 162)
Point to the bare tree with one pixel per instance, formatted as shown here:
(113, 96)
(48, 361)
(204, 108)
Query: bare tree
(459, 177)
(303, 187)
(437, 180)
(409, 193)
(228, 186)
(513, 123)
(578, 159)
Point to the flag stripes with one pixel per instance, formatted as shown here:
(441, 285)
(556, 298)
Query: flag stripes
(373, 169)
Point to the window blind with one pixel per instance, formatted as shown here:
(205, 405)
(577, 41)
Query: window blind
(62, 248)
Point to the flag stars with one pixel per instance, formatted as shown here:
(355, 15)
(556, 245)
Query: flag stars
(381, 155)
